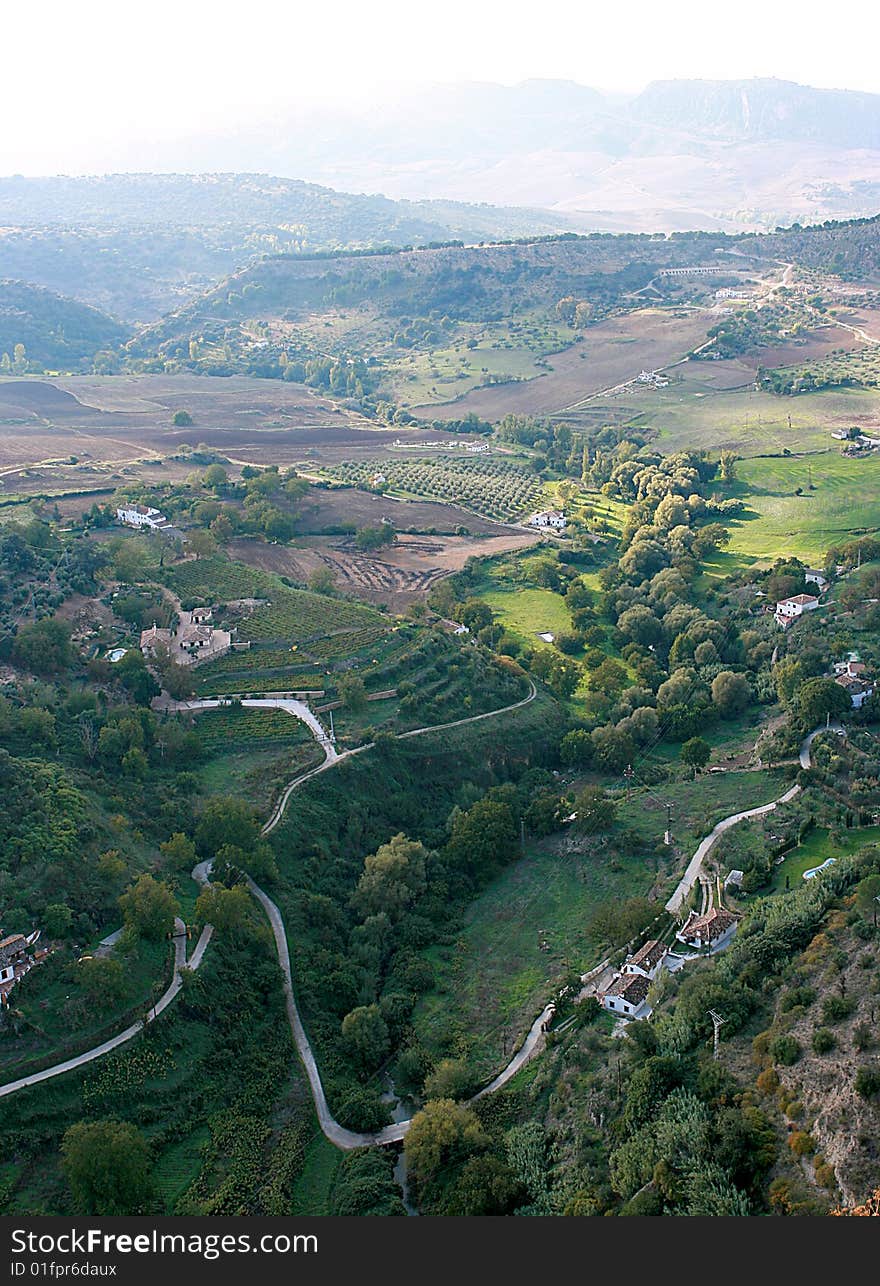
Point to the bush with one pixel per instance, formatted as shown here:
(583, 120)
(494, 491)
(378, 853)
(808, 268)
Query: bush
(835, 1008)
(867, 1082)
(768, 1081)
(801, 1143)
(785, 1050)
(823, 1041)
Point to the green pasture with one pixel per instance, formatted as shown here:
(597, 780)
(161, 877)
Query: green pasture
(840, 497)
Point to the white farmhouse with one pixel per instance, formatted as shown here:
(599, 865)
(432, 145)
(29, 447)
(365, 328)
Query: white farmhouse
(714, 929)
(141, 516)
(789, 609)
(548, 518)
(648, 960)
(627, 995)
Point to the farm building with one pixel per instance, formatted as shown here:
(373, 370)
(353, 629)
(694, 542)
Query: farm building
(548, 518)
(141, 516)
(648, 960)
(789, 609)
(627, 995)
(190, 637)
(714, 929)
(858, 690)
(815, 577)
(16, 960)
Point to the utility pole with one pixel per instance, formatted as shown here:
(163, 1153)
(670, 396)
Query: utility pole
(332, 733)
(667, 836)
(522, 836)
(717, 1023)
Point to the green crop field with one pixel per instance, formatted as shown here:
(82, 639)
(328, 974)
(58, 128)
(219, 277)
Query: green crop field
(528, 612)
(243, 725)
(845, 501)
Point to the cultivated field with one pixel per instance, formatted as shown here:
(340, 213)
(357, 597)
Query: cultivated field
(496, 487)
(86, 432)
(609, 353)
(399, 575)
(323, 511)
(700, 410)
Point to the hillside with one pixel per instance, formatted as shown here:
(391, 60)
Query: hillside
(138, 245)
(56, 332)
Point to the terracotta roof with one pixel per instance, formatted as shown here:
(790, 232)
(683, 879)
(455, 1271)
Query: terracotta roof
(649, 955)
(11, 947)
(709, 926)
(803, 599)
(631, 987)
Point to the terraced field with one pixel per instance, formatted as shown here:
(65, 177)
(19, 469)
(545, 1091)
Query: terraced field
(288, 614)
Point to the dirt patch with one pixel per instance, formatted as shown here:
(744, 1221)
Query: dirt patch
(401, 575)
(321, 511)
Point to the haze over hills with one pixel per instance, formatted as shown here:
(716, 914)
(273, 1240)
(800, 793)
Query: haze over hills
(680, 155)
(136, 245)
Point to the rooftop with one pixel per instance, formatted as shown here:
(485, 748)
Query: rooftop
(649, 955)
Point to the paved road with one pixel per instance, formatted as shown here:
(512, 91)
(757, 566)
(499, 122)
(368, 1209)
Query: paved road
(335, 1132)
(180, 962)
(692, 871)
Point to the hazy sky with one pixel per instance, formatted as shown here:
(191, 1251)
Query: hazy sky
(87, 82)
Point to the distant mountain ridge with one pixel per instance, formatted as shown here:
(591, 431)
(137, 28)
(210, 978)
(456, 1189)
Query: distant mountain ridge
(769, 109)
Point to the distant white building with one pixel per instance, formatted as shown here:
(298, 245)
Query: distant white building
(815, 577)
(857, 689)
(789, 609)
(548, 518)
(140, 516)
(478, 448)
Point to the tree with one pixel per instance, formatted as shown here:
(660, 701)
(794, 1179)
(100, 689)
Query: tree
(596, 811)
(365, 1037)
(180, 851)
(727, 467)
(57, 920)
(181, 419)
(226, 821)
(43, 646)
(131, 671)
(202, 543)
(695, 753)
(227, 909)
(476, 615)
(817, 699)
(442, 1134)
(215, 477)
(369, 538)
(352, 692)
(449, 1079)
(483, 838)
(322, 580)
(107, 1165)
(149, 907)
(731, 693)
(393, 878)
(609, 677)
